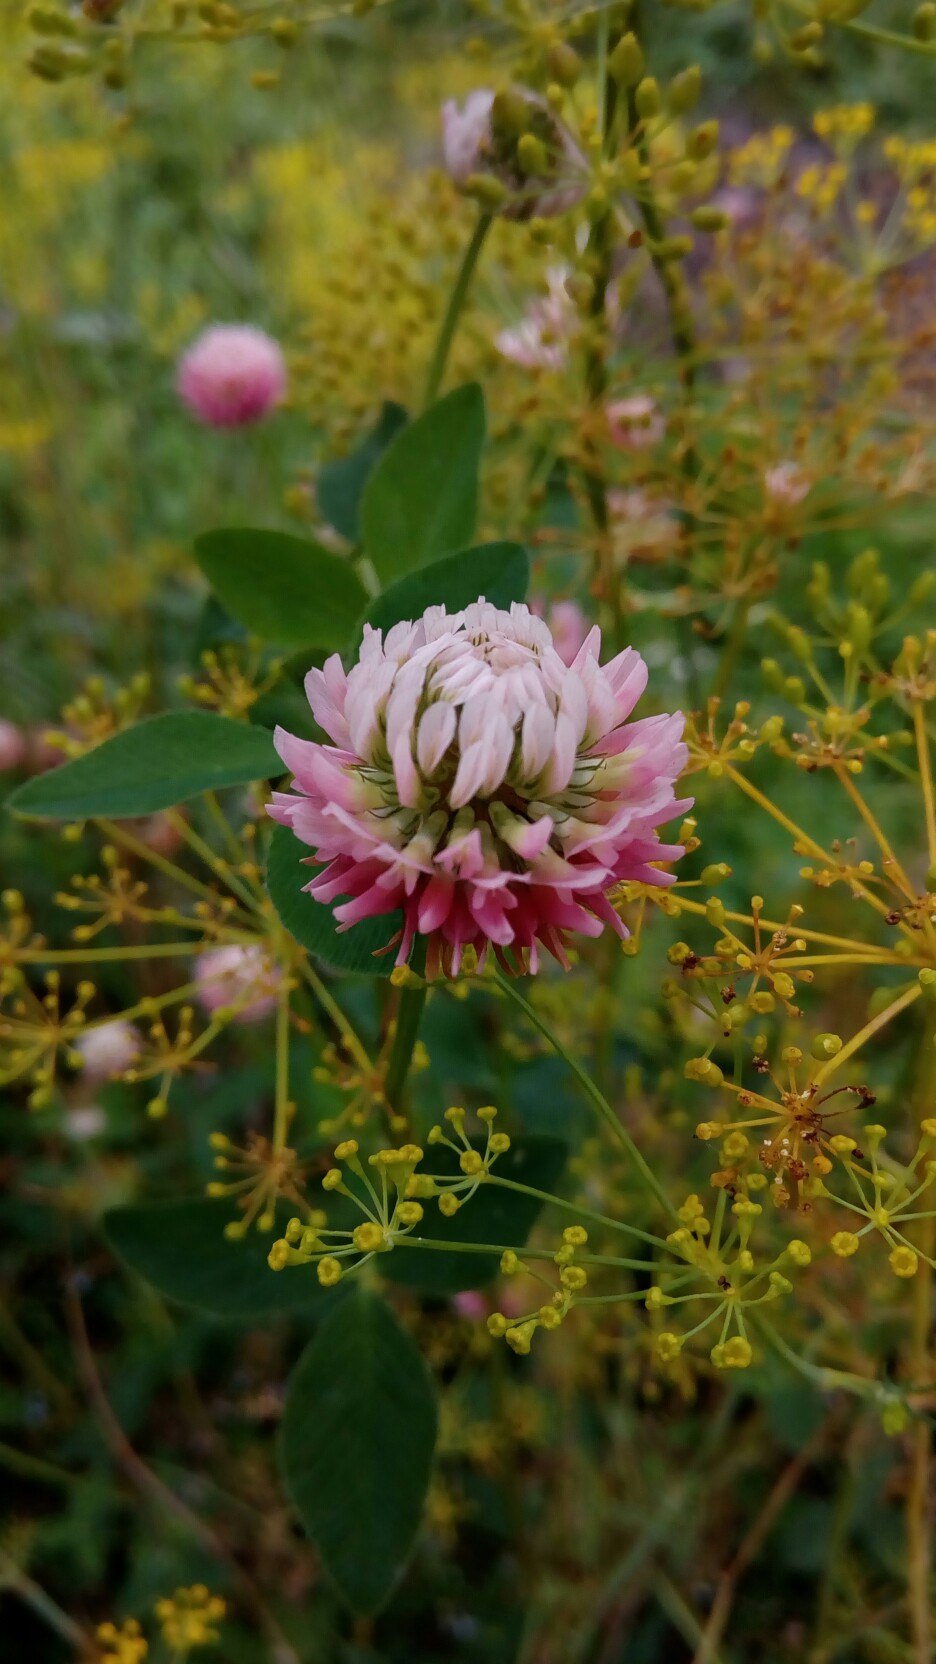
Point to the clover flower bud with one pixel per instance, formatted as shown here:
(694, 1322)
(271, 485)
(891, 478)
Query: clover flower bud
(903, 1262)
(501, 141)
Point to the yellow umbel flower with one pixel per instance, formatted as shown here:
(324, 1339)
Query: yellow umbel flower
(125, 1645)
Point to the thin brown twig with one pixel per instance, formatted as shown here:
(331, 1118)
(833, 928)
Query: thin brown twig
(779, 1496)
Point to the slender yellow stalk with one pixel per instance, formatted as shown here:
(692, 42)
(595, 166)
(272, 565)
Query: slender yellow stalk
(926, 777)
(865, 1034)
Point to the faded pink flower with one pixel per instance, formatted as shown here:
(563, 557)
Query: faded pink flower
(635, 423)
(787, 483)
(540, 341)
(232, 375)
(643, 527)
(466, 134)
(471, 144)
(471, 1305)
(568, 626)
(107, 1050)
(476, 782)
(12, 746)
(238, 977)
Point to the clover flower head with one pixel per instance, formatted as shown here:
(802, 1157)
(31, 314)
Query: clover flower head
(232, 375)
(240, 978)
(478, 784)
(107, 1050)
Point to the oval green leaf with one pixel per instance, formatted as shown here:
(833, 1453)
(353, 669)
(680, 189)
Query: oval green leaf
(421, 500)
(356, 1445)
(154, 765)
(498, 571)
(180, 1248)
(340, 485)
(313, 924)
(287, 590)
(503, 1218)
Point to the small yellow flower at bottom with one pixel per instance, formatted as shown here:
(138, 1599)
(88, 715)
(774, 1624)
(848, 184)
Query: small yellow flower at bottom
(125, 1645)
(328, 1271)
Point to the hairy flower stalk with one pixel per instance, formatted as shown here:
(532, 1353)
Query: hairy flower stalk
(478, 783)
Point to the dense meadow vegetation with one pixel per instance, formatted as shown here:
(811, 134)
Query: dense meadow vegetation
(484, 452)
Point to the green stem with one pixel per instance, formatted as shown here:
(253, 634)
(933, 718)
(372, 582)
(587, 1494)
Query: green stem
(598, 1099)
(408, 1018)
(821, 1376)
(731, 650)
(870, 31)
(341, 1022)
(281, 1110)
(527, 1253)
(17, 1345)
(453, 311)
(12, 1577)
(35, 1467)
(576, 1208)
(682, 330)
